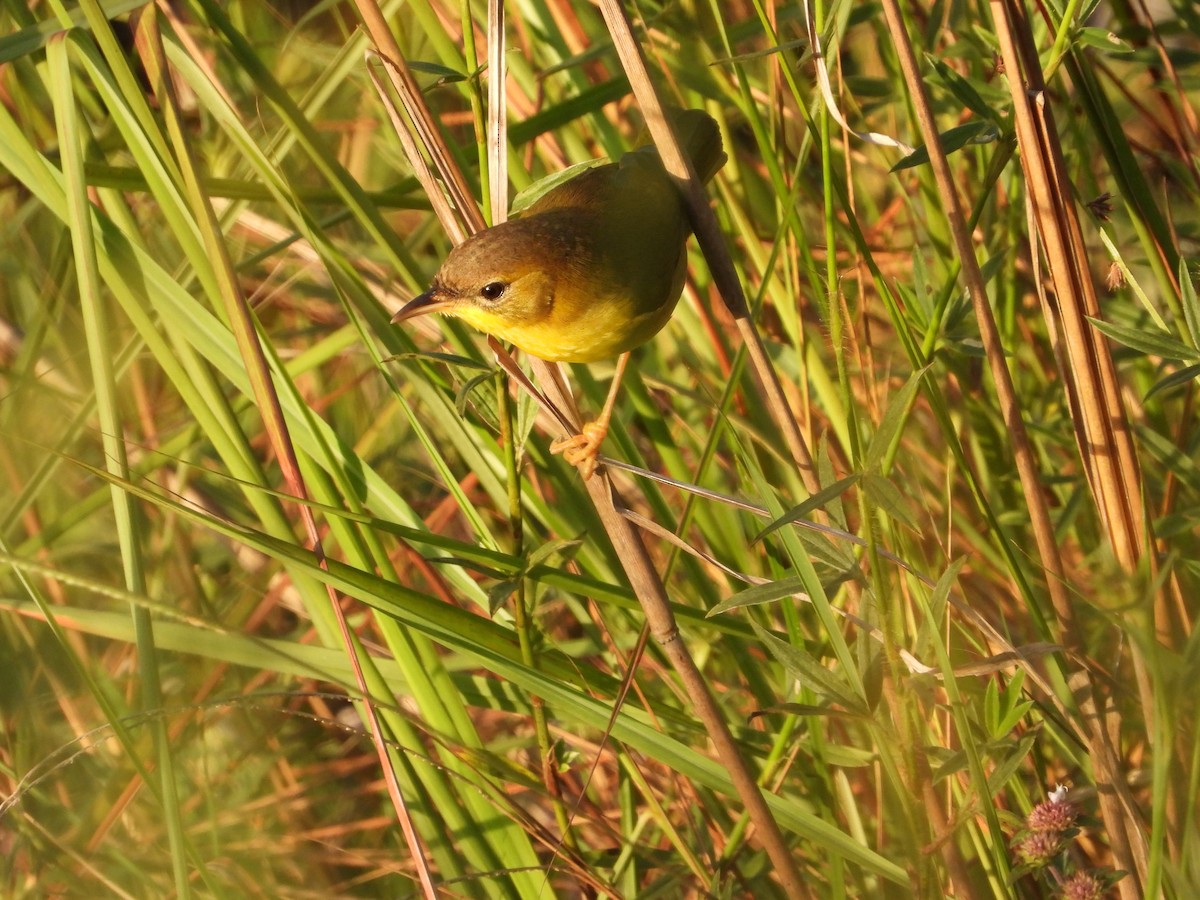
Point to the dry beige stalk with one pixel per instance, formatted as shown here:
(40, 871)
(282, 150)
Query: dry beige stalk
(1098, 413)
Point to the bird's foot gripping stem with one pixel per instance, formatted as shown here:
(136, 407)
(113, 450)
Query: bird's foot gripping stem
(583, 450)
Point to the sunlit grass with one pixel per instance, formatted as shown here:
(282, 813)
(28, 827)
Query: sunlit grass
(181, 712)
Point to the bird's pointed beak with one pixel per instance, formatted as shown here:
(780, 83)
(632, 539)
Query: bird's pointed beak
(429, 302)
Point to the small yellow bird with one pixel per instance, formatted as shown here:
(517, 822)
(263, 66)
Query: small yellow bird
(590, 271)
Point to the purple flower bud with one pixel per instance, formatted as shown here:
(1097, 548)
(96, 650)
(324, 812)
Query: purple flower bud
(1055, 814)
(1038, 848)
(1082, 886)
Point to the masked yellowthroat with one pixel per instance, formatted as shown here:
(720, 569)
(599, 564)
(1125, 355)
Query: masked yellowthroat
(590, 271)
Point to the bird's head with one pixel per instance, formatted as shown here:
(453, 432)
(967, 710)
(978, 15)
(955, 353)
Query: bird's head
(500, 280)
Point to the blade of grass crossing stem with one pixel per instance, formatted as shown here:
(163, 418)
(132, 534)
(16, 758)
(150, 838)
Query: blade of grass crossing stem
(99, 340)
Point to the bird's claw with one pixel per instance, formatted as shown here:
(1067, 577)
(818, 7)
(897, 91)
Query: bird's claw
(581, 450)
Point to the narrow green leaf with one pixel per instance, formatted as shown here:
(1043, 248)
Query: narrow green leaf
(763, 593)
(451, 359)
(543, 186)
(759, 54)
(954, 139)
(892, 422)
(584, 103)
(1012, 760)
(801, 510)
(808, 671)
(883, 493)
(1190, 303)
(1175, 379)
(1103, 39)
(1153, 343)
(963, 90)
(560, 548)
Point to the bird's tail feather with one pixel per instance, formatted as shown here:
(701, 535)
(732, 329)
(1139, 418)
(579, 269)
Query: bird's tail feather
(700, 139)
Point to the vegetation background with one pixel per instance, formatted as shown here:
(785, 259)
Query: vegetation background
(207, 220)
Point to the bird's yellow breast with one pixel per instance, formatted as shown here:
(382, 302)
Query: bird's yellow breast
(578, 328)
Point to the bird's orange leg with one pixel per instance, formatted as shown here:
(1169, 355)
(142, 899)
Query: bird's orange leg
(581, 450)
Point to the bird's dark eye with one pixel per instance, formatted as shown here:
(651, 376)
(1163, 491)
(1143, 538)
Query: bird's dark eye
(493, 290)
